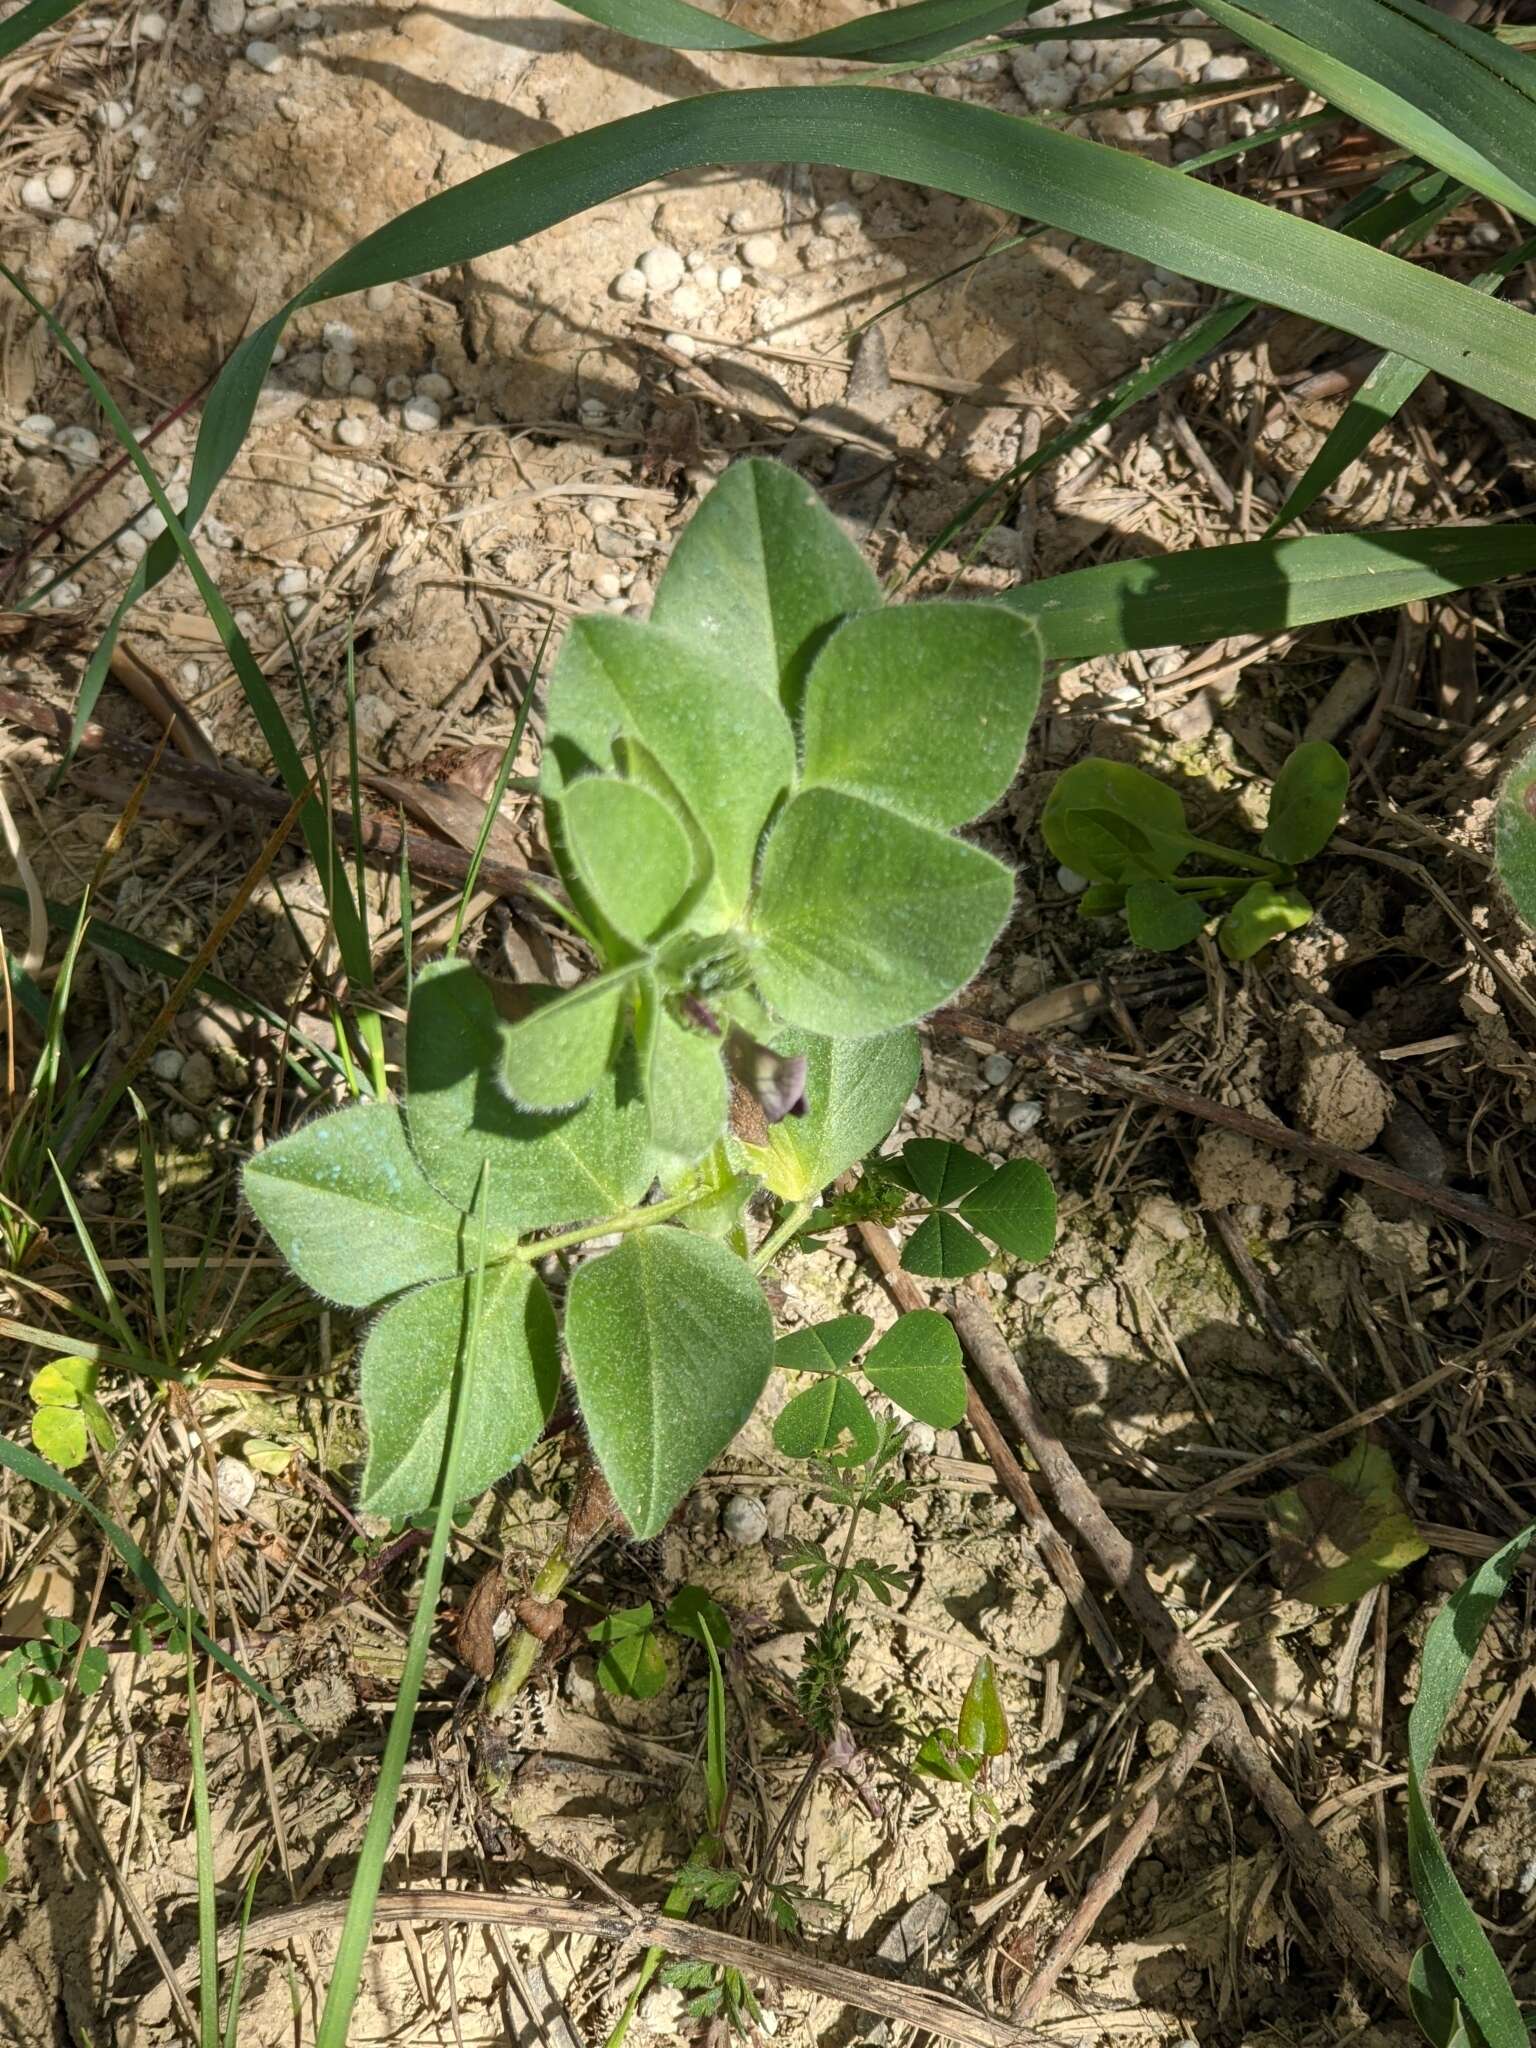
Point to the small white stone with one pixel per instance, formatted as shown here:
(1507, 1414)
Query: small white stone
(145, 166)
(922, 1439)
(707, 278)
(79, 445)
(131, 545)
(36, 430)
(296, 607)
(340, 337)
(688, 303)
(261, 20)
(1070, 882)
(167, 1064)
(607, 584)
(265, 56)
(433, 384)
(379, 297)
(421, 415)
(64, 595)
(760, 252)
(292, 582)
(593, 411)
(352, 433)
(662, 269)
(226, 17)
(61, 182)
(1487, 234)
(1024, 1115)
(628, 287)
(842, 220)
(140, 131)
(730, 278)
(236, 1483)
(337, 372)
(683, 343)
(150, 523)
(996, 1068)
(112, 115)
(397, 389)
(696, 259)
(744, 1520)
(34, 195)
(1225, 70)
(191, 673)
(363, 387)
(192, 95)
(151, 28)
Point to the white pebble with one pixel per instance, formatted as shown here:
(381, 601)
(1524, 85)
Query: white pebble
(261, 20)
(1224, 70)
(696, 259)
(140, 131)
(1024, 1114)
(730, 278)
(1070, 882)
(131, 545)
(363, 387)
(151, 28)
(683, 343)
(61, 182)
(265, 56)
(629, 287)
(352, 433)
(593, 411)
(145, 166)
(150, 523)
(192, 95)
(226, 17)
(379, 297)
(64, 595)
(421, 415)
(236, 1483)
(761, 252)
(167, 1064)
(339, 337)
(337, 372)
(921, 1439)
(79, 445)
(707, 278)
(433, 384)
(36, 430)
(296, 607)
(112, 115)
(292, 582)
(662, 269)
(397, 389)
(34, 195)
(1487, 234)
(191, 673)
(996, 1068)
(744, 1520)
(607, 584)
(842, 220)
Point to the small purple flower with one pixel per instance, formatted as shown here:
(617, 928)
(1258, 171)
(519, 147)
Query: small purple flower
(776, 1079)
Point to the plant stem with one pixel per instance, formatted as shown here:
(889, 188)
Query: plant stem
(625, 1220)
(788, 1226)
(522, 1651)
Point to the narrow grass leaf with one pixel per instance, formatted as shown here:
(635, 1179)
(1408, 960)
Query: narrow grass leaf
(207, 1902)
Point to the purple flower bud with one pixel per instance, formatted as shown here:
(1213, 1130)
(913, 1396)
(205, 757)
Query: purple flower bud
(776, 1079)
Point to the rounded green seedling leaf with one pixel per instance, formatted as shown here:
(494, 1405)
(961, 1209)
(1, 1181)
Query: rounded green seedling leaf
(349, 1208)
(670, 1341)
(1514, 834)
(1306, 803)
(61, 1382)
(626, 852)
(855, 1089)
(409, 1365)
(830, 1416)
(983, 1723)
(555, 1058)
(692, 1613)
(1113, 823)
(60, 1436)
(941, 1171)
(633, 1666)
(546, 1169)
(865, 921)
(1162, 918)
(1260, 915)
(824, 1347)
(923, 707)
(941, 1248)
(1016, 1208)
(917, 1365)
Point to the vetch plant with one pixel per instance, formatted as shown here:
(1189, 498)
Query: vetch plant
(752, 800)
(1126, 833)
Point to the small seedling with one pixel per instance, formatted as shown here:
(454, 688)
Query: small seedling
(1335, 1536)
(67, 1413)
(1125, 832)
(752, 800)
(1014, 1205)
(962, 1755)
(36, 1674)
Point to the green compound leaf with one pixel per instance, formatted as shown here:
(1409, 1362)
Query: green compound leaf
(1259, 916)
(61, 1382)
(728, 752)
(550, 1169)
(555, 1058)
(824, 1347)
(1306, 804)
(758, 577)
(855, 1089)
(670, 1341)
(60, 1437)
(1162, 918)
(625, 851)
(692, 1613)
(865, 921)
(1514, 833)
(832, 1415)
(983, 1723)
(924, 708)
(632, 1666)
(408, 1370)
(1113, 823)
(1016, 1208)
(917, 1365)
(941, 1248)
(349, 1208)
(941, 1172)
(1335, 1536)
(1466, 1955)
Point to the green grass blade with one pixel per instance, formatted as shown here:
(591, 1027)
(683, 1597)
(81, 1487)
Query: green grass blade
(1452, 1926)
(207, 1903)
(237, 1967)
(716, 1775)
(27, 1465)
(37, 15)
(357, 1928)
(1262, 586)
(905, 35)
(314, 821)
(1461, 101)
(1382, 396)
(1025, 168)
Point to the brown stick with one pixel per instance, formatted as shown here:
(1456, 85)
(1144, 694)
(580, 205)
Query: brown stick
(932, 2012)
(1090, 1070)
(431, 860)
(1196, 1739)
(1012, 1477)
(1352, 1925)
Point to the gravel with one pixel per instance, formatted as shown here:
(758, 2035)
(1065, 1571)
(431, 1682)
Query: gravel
(421, 415)
(744, 1520)
(265, 56)
(663, 270)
